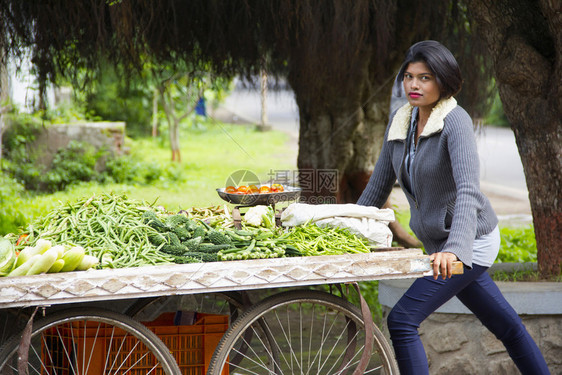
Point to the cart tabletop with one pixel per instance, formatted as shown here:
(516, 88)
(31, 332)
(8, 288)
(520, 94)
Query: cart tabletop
(176, 279)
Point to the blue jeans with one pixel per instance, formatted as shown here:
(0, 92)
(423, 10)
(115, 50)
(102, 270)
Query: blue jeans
(478, 292)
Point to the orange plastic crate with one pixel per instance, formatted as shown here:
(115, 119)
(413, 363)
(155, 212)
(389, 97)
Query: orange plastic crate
(191, 345)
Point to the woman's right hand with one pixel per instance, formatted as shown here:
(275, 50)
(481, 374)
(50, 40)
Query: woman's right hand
(443, 262)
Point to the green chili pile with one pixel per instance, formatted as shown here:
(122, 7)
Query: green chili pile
(107, 226)
(311, 240)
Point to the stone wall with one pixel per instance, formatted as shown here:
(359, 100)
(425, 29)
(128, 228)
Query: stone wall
(107, 135)
(457, 343)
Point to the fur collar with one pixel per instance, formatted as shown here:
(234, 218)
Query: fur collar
(401, 121)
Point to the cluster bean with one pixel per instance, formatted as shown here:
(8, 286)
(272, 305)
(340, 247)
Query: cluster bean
(108, 226)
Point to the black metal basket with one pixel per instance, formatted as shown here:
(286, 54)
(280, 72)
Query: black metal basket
(290, 193)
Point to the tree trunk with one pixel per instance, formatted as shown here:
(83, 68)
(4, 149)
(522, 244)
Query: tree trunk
(263, 100)
(328, 136)
(173, 121)
(525, 41)
(155, 113)
(4, 90)
(367, 143)
(341, 137)
(175, 139)
(367, 139)
(338, 133)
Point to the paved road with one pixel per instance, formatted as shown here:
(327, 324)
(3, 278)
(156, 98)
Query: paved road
(500, 164)
(281, 108)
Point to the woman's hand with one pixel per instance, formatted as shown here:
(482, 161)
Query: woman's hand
(443, 261)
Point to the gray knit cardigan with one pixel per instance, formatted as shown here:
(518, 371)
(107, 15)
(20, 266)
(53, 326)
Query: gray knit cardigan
(448, 210)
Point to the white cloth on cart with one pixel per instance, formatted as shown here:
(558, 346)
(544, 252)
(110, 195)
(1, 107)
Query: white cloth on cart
(369, 222)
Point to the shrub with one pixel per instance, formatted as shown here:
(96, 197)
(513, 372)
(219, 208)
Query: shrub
(129, 170)
(517, 245)
(77, 162)
(74, 163)
(11, 218)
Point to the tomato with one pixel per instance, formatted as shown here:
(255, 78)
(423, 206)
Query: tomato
(277, 188)
(265, 189)
(253, 189)
(230, 190)
(243, 189)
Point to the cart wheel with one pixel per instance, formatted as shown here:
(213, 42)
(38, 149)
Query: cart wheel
(308, 332)
(12, 321)
(223, 303)
(90, 341)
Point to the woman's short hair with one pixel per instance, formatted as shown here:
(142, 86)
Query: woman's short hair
(441, 62)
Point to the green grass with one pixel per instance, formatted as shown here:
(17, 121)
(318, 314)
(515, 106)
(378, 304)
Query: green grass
(209, 156)
(526, 275)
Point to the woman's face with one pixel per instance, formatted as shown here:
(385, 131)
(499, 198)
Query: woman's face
(420, 86)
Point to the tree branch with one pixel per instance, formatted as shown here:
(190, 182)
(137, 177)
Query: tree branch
(5, 109)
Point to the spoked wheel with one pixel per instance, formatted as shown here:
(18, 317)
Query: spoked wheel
(307, 332)
(222, 303)
(90, 341)
(12, 321)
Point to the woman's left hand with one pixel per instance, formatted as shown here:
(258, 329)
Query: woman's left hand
(443, 261)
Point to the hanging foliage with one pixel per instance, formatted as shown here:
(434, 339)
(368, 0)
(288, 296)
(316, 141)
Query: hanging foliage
(315, 39)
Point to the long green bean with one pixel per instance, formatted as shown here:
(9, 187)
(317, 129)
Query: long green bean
(107, 226)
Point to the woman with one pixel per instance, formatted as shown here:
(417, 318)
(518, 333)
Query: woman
(430, 148)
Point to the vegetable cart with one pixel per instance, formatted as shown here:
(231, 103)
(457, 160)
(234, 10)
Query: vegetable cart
(282, 315)
(91, 318)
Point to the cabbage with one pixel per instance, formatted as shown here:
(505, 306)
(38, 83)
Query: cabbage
(7, 256)
(255, 215)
